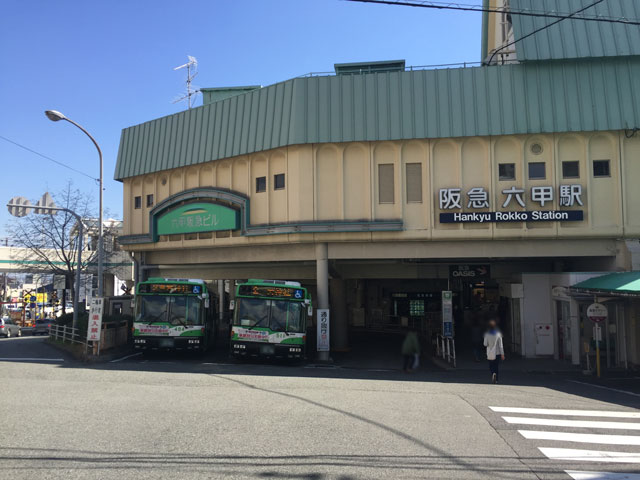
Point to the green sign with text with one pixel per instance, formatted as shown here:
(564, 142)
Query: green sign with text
(198, 217)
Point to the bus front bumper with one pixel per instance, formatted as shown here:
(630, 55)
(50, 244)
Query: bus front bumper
(258, 349)
(168, 343)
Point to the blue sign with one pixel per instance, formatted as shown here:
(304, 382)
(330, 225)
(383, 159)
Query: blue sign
(33, 298)
(32, 305)
(197, 289)
(298, 294)
(447, 328)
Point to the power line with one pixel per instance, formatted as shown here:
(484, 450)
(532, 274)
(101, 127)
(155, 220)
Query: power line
(48, 158)
(541, 28)
(479, 8)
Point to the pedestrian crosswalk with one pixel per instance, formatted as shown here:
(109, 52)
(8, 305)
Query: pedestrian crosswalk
(581, 436)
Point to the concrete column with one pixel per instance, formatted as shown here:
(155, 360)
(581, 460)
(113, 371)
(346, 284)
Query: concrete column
(322, 286)
(339, 315)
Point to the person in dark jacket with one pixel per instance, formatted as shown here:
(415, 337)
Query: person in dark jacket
(410, 351)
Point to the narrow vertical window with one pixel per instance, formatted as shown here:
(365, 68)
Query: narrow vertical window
(150, 200)
(278, 181)
(261, 184)
(386, 193)
(137, 202)
(414, 182)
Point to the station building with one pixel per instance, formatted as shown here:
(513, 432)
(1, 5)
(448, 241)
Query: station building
(381, 186)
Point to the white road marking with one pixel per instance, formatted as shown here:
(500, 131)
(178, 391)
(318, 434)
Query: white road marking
(574, 455)
(124, 358)
(570, 413)
(554, 422)
(605, 388)
(578, 475)
(31, 359)
(581, 437)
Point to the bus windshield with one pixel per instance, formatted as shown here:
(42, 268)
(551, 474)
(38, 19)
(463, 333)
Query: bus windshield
(176, 310)
(278, 315)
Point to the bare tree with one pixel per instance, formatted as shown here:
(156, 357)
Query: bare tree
(49, 243)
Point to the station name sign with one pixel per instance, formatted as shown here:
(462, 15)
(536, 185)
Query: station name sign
(529, 216)
(478, 198)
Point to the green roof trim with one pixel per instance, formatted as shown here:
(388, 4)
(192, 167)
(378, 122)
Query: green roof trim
(623, 282)
(535, 97)
(211, 95)
(576, 38)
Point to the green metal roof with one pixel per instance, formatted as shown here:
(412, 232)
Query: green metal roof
(535, 97)
(576, 38)
(624, 282)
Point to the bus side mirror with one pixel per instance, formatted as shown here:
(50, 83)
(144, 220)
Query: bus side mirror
(232, 304)
(206, 302)
(310, 311)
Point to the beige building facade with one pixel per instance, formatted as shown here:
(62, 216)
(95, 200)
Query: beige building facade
(380, 187)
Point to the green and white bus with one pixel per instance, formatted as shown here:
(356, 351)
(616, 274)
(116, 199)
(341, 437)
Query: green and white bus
(270, 319)
(174, 314)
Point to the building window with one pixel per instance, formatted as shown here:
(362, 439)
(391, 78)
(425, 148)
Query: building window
(386, 192)
(571, 169)
(414, 183)
(137, 202)
(150, 200)
(278, 181)
(601, 168)
(537, 171)
(261, 184)
(416, 308)
(507, 171)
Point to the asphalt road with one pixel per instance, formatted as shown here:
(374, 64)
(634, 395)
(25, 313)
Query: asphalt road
(184, 417)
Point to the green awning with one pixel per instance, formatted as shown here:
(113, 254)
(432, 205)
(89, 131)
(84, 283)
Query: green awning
(623, 283)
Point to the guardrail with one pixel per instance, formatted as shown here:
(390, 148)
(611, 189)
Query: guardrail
(66, 334)
(446, 348)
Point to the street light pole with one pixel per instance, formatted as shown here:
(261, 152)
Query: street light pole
(56, 116)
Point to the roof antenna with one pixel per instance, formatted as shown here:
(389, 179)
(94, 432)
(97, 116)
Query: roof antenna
(192, 71)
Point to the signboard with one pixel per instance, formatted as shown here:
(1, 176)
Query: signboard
(470, 272)
(447, 313)
(323, 330)
(596, 312)
(198, 217)
(528, 216)
(95, 319)
(267, 291)
(170, 288)
(477, 198)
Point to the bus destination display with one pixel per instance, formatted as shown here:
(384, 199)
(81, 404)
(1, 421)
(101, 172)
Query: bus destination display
(170, 288)
(267, 291)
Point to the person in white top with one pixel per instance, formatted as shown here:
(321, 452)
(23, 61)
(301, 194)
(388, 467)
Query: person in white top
(495, 349)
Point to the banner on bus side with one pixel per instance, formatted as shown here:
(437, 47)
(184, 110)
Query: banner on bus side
(323, 330)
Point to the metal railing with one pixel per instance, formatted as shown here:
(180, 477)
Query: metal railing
(446, 348)
(66, 334)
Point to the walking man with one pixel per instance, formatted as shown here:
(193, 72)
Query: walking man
(495, 349)
(410, 351)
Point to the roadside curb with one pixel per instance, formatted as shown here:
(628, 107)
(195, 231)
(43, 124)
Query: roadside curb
(82, 356)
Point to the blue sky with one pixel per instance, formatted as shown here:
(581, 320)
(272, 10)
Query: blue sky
(109, 65)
